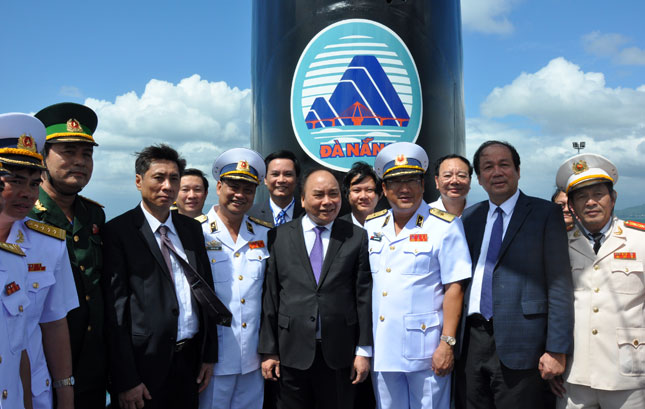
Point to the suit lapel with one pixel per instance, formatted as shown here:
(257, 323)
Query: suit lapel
(183, 234)
(579, 243)
(336, 239)
(476, 229)
(149, 238)
(613, 242)
(521, 210)
(298, 241)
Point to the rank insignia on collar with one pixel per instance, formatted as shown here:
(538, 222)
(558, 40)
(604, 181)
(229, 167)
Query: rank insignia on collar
(36, 267)
(387, 220)
(11, 288)
(21, 238)
(419, 221)
(577, 233)
(579, 166)
(618, 231)
(39, 206)
(214, 245)
(419, 237)
(625, 256)
(256, 244)
(201, 218)
(213, 226)
(249, 227)
(377, 236)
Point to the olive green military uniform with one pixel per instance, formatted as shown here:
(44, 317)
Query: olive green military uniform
(86, 322)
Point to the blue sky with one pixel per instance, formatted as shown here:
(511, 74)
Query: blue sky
(539, 74)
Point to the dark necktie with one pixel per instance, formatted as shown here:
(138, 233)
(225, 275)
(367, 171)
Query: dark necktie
(494, 245)
(597, 238)
(316, 255)
(166, 248)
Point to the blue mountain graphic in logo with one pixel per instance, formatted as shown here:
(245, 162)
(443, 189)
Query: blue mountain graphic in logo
(364, 96)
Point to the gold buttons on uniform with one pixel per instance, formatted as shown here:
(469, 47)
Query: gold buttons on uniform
(242, 300)
(237, 254)
(595, 290)
(76, 239)
(596, 267)
(423, 327)
(0, 359)
(384, 293)
(381, 318)
(35, 285)
(391, 247)
(594, 331)
(87, 298)
(416, 251)
(47, 382)
(240, 277)
(244, 325)
(595, 309)
(20, 308)
(89, 328)
(82, 267)
(635, 342)
(389, 270)
(626, 270)
(5, 394)
(212, 260)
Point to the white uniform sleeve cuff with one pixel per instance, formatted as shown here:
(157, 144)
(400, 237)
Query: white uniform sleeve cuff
(365, 351)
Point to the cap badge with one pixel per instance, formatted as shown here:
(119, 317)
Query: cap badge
(242, 165)
(73, 126)
(26, 142)
(401, 160)
(580, 166)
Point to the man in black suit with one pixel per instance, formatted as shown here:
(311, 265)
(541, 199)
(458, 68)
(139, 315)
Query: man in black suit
(161, 348)
(283, 171)
(362, 188)
(316, 332)
(517, 324)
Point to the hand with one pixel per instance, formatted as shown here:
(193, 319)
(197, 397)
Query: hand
(269, 364)
(204, 377)
(443, 359)
(551, 365)
(557, 386)
(360, 369)
(134, 398)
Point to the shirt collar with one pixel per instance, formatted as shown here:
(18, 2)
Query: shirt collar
(275, 209)
(507, 206)
(604, 230)
(154, 223)
(308, 224)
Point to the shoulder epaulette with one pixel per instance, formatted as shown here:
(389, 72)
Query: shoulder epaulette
(46, 229)
(11, 248)
(39, 206)
(375, 215)
(91, 201)
(201, 218)
(260, 222)
(442, 215)
(635, 225)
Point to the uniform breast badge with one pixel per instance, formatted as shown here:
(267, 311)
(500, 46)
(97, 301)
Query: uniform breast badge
(11, 288)
(214, 245)
(377, 236)
(36, 267)
(625, 255)
(256, 244)
(418, 237)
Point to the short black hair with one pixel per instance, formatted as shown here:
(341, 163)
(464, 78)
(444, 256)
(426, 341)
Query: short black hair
(556, 194)
(362, 170)
(439, 161)
(514, 154)
(283, 154)
(311, 171)
(196, 172)
(153, 153)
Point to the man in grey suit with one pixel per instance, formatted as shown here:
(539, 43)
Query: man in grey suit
(517, 325)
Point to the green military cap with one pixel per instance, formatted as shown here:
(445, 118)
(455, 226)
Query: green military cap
(68, 122)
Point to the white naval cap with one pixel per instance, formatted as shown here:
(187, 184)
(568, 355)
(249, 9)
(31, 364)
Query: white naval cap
(241, 164)
(22, 137)
(583, 170)
(400, 158)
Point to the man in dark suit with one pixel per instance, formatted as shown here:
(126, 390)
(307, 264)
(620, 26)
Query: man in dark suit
(362, 189)
(316, 333)
(161, 348)
(283, 171)
(518, 308)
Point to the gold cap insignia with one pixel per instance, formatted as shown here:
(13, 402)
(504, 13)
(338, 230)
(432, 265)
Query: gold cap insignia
(580, 166)
(73, 126)
(243, 165)
(26, 142)
(401, 160)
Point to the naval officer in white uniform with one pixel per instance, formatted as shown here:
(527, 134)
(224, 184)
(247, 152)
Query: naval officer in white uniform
(237, 248)
(418, 257)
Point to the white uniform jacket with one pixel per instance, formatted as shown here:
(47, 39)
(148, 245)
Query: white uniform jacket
(409, 272)
(609, 300)
(50, 287)
(14, 303)
(238, 275)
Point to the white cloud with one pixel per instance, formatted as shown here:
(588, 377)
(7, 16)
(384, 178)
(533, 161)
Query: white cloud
(487, 16)
(610, 45)
(199, 118)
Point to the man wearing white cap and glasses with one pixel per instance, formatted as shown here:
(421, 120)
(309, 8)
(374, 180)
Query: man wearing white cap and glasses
(607, 369)
(237, 249)
(418, 256)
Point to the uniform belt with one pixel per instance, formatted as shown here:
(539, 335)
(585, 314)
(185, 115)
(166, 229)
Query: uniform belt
(180, 345)
(478, 321)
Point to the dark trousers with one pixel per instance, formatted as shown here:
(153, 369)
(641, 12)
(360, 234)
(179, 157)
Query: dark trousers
(318, 387)
(483, 382)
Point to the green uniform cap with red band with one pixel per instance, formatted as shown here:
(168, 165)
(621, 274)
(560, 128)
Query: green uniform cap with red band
(68, 122)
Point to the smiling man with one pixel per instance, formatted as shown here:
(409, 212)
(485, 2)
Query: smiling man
(452, 179)
(363, 190)
(193, 191)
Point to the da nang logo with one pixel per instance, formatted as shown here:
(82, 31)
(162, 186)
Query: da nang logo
(356, 89)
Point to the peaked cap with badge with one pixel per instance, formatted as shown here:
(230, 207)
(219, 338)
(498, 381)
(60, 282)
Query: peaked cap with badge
(69, 122)
(583, 170)
(239, 164)
(401, 158)
(22, 138)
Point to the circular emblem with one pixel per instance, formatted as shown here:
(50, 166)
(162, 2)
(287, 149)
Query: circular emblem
(355, 90)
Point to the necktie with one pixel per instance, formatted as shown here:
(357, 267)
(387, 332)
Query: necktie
(281, 219)
(597, 237)
(494, 245)
(316, 255)
(166, 247)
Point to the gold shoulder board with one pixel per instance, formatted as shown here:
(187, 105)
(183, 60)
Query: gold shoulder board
(442, 215)
(635, 225)
(46, 229)
(260, 222)
(91, 201)
(11, 248)
(375, 215)
(201, 218)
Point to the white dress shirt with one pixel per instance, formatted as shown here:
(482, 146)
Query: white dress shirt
(507, 212)
(187, 322)
(275, 209)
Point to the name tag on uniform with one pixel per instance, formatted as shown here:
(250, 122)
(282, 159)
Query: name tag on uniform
(256, 244)
(418, 237)
(377, 237)
(213, 245)
(625, 256)
(36, 267)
